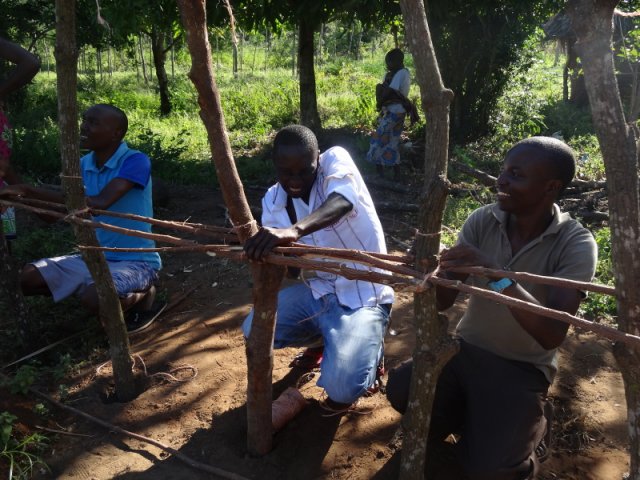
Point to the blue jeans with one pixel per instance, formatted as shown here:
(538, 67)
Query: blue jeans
(352, 338)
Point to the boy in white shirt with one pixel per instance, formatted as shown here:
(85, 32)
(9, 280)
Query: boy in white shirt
(322, 200)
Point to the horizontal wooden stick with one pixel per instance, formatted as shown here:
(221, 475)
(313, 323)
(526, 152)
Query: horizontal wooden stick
(200, 228)
(195, 228)
(602, 330)
(236, 253)
(533, 278)
(71, 218)
(411, 284)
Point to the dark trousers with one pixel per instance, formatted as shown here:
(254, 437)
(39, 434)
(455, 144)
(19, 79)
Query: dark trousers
(496, 407)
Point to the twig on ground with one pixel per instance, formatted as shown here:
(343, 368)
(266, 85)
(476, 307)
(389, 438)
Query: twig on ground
(114, 428)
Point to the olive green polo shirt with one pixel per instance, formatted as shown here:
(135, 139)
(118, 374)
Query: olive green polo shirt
(566, 250)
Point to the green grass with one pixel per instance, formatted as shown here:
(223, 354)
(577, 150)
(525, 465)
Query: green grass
(22, 455)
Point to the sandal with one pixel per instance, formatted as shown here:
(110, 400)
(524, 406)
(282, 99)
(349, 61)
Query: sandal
(138, 321)
(378, 383)
(308, 359)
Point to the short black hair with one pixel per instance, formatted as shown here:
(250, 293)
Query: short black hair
(298, 136)
(123, 121)
(396, 55)
(560, 156)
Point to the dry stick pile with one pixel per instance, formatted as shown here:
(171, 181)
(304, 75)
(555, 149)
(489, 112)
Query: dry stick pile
(394, 270)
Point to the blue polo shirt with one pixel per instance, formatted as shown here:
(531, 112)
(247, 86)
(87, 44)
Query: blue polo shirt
(134, 166)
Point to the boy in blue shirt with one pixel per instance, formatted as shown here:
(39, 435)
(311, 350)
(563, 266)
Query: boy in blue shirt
(117, 179)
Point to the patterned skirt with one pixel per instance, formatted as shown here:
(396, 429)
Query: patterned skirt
(385, 141)
(5, 136)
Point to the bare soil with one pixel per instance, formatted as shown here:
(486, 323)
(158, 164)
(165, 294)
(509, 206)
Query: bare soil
(204, 416)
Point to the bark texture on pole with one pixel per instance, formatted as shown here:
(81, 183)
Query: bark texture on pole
(434, 347)
(110, 312)
(266, 278)
(593, 22)
(309, 116)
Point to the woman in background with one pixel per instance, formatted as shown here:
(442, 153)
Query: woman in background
(393, 104)
(27, 65)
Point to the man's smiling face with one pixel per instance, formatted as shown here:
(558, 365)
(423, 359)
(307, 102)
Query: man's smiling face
(296, 169)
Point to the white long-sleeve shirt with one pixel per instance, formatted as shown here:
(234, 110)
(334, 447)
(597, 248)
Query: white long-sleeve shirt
(359, 229)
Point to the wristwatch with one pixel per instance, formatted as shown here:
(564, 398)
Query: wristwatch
(500, 285)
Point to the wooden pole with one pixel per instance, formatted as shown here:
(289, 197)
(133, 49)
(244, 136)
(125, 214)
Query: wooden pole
(110, 313)
(434, 347)
(266, 278)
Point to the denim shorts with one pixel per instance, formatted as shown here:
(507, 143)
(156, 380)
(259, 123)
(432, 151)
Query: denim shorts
(352, 338)
(68, 275)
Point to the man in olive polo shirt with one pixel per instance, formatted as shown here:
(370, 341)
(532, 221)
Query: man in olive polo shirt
(492, 392)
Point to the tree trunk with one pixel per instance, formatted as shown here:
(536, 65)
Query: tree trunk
(234, 46)
(110, 313)
(253, 60)
(99, 62)
(266, 277)
(309, 116)
(322, 43)
(267, 48)
(142, 61)
(12, 304)
(294, 54)
(618, 142)
(158, 41)
(241, 52)
(434, 347)
(173, 62)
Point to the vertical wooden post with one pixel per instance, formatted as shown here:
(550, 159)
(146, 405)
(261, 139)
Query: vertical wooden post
(66, 54)
(618, 139)
(433, 347)
(266, 278)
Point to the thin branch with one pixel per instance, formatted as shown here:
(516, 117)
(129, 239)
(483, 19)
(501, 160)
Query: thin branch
(391, 263)
(195, 228)
(540, 279)
(602, 330)
(72, 218)
(114, 428)
(237, 254)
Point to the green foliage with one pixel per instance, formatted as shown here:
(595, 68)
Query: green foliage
(597, 305)
(480, 45)
(22, 380)
(590, 163)
(166, 150)
(519, 110)
(41, 409)
(22, 455)
(40, 243)
(567, 118)
(456, 211)
(60, 370)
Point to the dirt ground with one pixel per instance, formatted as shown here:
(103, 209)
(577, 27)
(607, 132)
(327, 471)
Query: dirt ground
(204, 416)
